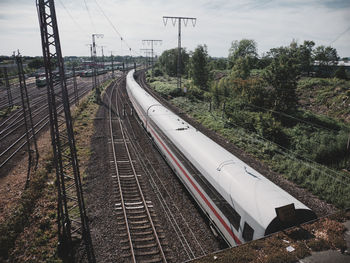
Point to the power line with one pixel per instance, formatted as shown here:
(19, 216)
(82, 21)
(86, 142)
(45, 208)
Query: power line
(340, 35)
(292, 117)
(295, 156)
(70, 15)
(90, 17)
(115, 29)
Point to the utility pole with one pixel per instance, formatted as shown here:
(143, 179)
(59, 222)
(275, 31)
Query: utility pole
(151, 41)
(131, 59)
(90, 46)
(28, 126)
(75, 86)
(103, 57)
(112, 64)
(8, 88)
(173, 20)
(147, 53)
(95, 86)
(68, 182)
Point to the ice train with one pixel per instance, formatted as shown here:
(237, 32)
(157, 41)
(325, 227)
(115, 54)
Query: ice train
(240, 203)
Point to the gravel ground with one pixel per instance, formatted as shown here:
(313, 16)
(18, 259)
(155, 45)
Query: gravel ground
(99, 192)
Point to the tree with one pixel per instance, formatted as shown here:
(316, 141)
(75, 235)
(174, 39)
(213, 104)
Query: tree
(225, 92)
(217, 63)
(340, 73)
(305, 56)
(242, 68)
(168, 61)
(216, 94)
(264, 61)
(36, 63)
(326, 57)
(281, 76)
(245, 48)
(199, 69)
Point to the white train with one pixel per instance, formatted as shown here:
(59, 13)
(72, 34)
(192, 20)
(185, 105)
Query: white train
(240, 202)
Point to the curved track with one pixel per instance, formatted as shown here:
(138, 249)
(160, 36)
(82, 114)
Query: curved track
(142, 238)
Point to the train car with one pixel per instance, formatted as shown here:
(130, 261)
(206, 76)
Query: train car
(87, 73)
(40, 82)
(240, 203)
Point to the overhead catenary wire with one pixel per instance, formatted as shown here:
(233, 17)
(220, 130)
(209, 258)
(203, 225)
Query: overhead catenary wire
(90, 17)
(72, 17)
(339, 36)
(291, 116)
(115, 29)
(297, 157)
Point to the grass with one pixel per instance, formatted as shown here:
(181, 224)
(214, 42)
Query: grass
(309, 150)
(6, 111)
(13, 227)
(326, 96)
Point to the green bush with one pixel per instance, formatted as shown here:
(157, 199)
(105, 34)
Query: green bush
(194, 93)
(166, 90)
(157, 72)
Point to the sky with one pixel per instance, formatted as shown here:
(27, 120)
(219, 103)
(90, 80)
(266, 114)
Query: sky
(271, 23)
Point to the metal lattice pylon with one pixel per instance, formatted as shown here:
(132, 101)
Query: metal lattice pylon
(72, 220)
(8, 88)
(27, 119)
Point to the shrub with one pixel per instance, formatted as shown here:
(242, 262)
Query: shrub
(195, 93)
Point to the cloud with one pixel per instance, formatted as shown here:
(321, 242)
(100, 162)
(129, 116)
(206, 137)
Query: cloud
(270, 23)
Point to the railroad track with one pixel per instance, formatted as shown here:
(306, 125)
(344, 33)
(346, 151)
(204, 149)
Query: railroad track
(12, 134)
(187, 240)
(142, 237)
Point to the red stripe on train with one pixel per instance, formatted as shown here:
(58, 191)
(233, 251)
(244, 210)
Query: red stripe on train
(193, 184)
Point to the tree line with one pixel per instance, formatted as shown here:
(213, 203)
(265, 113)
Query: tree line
(268, 81)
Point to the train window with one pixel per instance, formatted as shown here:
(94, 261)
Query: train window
(248, 232)
(231, 215)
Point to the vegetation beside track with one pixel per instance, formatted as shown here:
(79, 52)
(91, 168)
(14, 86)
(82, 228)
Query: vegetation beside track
(326, 96)
(29, 234)
(306, 148)
(5, 112)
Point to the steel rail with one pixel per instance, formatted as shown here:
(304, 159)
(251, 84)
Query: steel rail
(38, 123)
(37, 111)
(145, 205)
(145, 162)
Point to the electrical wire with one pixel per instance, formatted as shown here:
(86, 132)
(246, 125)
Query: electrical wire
(294, 155)
(90, 17)
(298, 157)
(292, 117)
(115, 29)
(70, 15)
(339, 36)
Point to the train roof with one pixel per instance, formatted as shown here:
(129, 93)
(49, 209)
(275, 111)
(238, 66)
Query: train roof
(240, 184)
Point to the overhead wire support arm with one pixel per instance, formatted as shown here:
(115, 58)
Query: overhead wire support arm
(178, 19)
(147, 52)
(152, 42)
